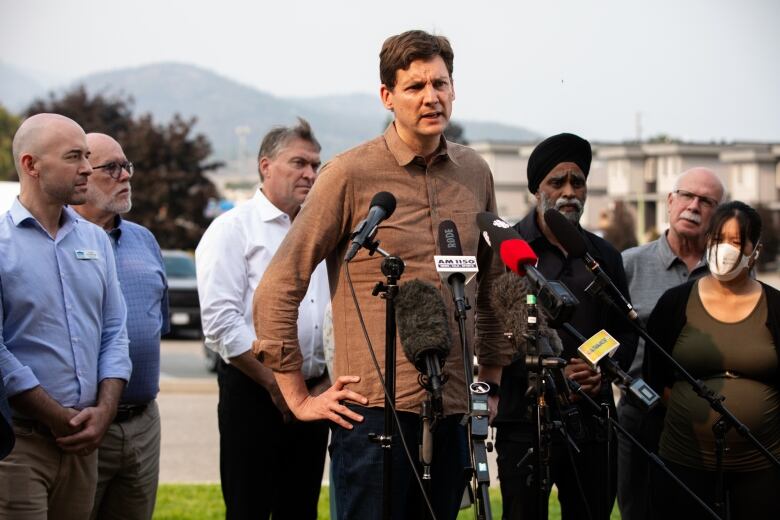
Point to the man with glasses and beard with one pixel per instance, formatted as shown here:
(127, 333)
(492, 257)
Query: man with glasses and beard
(557, 176)
(129, 454)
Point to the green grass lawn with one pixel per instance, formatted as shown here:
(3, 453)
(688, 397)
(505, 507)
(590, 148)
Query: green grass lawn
(204, 502)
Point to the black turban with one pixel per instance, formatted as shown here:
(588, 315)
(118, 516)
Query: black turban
(554, 150)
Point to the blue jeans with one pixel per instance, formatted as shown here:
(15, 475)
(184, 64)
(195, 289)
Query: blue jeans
(357, 465)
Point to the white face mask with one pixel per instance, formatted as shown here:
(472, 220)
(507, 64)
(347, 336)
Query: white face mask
(726, 262)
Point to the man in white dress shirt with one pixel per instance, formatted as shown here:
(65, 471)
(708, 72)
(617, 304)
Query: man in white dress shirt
(269, 463)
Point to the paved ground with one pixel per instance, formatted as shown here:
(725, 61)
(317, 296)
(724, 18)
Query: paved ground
(188, 409)
(188, 406)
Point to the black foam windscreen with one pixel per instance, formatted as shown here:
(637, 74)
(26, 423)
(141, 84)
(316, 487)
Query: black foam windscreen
(566, 233)
(384, 200)
(422, 322)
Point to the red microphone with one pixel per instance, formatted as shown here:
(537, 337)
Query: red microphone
(517, 254)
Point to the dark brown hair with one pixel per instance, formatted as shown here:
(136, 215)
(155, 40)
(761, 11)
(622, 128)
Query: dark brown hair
(399, 51)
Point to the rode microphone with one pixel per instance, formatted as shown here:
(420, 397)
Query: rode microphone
(424, 332)
(453, 267)
(571, 240)
(556, 299)
(381, 207)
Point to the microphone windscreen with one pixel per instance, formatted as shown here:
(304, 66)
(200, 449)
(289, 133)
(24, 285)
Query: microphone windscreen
(508, 300)
(566, 233)
(516, 254)
(384, 200)
(422, 322)
(449, 240)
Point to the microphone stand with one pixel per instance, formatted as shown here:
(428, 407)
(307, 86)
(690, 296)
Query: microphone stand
(605, 414)
(392, 268)
(478, 424)
(541, 417)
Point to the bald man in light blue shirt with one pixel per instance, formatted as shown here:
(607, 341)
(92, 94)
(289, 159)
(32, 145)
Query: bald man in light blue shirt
(63, 340)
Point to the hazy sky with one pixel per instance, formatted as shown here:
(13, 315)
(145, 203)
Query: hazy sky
(694, 69)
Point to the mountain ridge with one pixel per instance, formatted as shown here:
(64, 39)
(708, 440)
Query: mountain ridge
(222, 105)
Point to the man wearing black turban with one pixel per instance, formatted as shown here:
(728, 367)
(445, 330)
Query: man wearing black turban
(558, 169)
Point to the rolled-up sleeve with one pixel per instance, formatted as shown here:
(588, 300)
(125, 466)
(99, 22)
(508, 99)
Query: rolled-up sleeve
(316, 233)
(17, 377)
(222, 284)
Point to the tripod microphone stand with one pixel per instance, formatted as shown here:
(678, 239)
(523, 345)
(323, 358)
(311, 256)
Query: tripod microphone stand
(392, 268)
(478, 420)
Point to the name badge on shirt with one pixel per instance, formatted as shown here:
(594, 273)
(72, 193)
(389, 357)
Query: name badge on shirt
(86, 254)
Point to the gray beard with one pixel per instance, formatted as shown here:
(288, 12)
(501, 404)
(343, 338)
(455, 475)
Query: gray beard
(573, 217)
(108, 203)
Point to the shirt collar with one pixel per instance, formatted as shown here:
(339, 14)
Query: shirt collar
(667, 256)
(528, 228)
(20, 214)
(265, 207)
(116, 231)
(404, 155)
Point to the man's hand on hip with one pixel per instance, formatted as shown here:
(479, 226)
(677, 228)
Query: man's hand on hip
(327, 405)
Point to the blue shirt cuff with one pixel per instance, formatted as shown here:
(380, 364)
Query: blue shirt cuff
(20, 381)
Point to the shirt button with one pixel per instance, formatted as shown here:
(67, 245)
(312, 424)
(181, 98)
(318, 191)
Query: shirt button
(312, 300)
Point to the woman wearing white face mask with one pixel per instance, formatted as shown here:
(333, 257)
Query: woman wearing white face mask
(725, 330)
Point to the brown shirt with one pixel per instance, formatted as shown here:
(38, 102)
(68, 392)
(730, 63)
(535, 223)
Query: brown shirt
(456, 185)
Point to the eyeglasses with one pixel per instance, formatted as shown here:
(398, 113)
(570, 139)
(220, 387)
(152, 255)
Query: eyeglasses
(687, 197)
(114, 169)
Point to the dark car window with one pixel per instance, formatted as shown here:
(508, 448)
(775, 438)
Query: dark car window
(179, 267)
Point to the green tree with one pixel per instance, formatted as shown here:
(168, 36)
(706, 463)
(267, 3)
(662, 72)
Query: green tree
(621, 228)
(170, 189)
(8, 125)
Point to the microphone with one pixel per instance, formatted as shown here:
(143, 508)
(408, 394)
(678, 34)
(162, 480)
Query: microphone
(554, 297)
(596, 351)
(381, 207)
(424, 332)
(574, 244)
(454, 268)
(508, 295)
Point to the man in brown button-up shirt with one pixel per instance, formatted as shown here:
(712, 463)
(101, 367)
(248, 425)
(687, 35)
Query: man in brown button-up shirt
(432, 180)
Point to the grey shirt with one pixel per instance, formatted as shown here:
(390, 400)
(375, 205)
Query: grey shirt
(651, 270)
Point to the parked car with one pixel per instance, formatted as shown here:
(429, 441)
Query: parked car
(182, 293)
